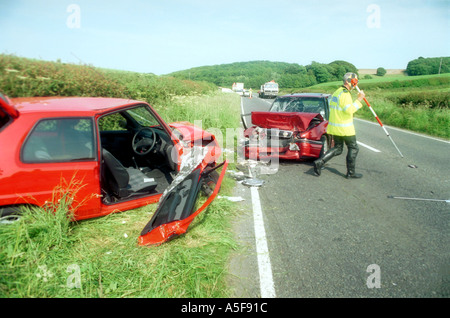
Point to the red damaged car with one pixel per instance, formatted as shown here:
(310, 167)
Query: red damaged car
(294, 128)
(124, 155)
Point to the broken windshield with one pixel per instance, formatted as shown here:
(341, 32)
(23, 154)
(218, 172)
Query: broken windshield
(295, 104)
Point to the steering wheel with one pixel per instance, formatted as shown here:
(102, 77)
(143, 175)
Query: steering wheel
(141, 143)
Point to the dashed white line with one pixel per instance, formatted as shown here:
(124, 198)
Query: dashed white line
(368, 147)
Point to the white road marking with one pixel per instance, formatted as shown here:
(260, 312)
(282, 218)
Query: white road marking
(368, 147)
(262, 251)
(266, 284)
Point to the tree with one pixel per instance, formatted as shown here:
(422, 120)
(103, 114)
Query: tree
(320, 72)
(340, 68)
(426, 66)
(381, 71)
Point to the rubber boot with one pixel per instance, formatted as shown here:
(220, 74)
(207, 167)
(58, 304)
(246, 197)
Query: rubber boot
(353, 175)
(319, 163)
(353, 150)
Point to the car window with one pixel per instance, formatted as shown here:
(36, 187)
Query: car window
(60, 140)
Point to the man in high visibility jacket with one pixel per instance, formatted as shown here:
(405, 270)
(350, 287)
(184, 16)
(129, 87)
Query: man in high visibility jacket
(340, 126)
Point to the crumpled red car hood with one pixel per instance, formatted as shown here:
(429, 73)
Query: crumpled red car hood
(284, 121)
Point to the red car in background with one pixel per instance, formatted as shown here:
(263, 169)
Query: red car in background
(294, 128)
(121, 151)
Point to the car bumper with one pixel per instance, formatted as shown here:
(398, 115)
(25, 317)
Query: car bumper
(301, 150)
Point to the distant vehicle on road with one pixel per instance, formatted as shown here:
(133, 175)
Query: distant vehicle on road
(269, 90)
(238, 88)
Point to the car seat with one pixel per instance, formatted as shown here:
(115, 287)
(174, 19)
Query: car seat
(124, 182)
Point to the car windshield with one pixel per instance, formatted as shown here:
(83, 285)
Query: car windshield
(298, 104)
(140, 115)
(143, 116)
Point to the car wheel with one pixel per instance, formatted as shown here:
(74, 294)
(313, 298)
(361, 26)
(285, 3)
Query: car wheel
(9, 219)
(10, 214)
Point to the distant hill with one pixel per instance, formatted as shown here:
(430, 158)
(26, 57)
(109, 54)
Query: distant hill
(255, 73)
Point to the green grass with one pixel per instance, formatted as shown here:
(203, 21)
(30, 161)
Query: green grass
(214, 109)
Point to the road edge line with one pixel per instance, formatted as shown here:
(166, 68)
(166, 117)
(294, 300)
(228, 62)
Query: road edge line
(242, 112)
(267, 287)
(406, 131)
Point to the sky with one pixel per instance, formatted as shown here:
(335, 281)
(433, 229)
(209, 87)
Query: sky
(161, 37)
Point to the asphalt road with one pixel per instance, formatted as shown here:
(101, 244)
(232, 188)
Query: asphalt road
(332, 237)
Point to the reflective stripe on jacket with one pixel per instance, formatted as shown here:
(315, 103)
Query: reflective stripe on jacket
(341, 113)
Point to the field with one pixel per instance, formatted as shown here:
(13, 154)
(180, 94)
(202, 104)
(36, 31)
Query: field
(417, 103)
(44, 255)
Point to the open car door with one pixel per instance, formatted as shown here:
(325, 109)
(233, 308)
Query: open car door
(176, 208)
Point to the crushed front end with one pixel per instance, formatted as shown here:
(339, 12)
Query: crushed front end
(291, 136)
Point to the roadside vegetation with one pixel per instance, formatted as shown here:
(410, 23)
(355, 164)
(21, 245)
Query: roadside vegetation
(22, 77)
(416, 103)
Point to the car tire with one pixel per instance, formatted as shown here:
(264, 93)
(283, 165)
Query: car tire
(10, 214)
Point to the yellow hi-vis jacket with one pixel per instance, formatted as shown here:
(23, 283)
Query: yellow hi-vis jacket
(342, 109)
